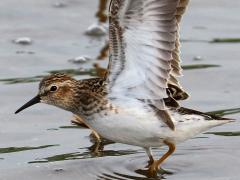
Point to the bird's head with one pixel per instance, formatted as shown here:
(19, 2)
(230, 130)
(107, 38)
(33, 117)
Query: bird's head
(58, 90)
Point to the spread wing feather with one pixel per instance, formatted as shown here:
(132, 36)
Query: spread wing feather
(144, 48)
(176, 62)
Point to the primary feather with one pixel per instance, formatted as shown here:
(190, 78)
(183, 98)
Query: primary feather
(144, 48)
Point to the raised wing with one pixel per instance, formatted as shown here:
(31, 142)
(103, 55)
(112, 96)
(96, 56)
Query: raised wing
(144, 55)
(174, 87)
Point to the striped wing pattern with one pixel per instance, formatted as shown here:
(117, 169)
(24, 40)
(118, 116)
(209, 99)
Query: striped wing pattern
(175, 63)
(144, 48)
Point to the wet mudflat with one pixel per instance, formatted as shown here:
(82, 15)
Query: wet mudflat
(41, 143)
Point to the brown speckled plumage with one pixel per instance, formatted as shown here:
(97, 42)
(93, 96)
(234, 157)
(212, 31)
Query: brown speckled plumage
(86, 96)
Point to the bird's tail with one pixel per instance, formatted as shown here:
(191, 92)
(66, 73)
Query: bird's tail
(208, 116)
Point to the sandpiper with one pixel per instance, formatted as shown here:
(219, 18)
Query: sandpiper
(136, 103)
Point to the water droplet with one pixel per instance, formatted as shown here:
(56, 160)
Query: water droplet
(98, 29)
(24, 52)
(80, 59)
(59, 4)
(197, 58)
(23, 41)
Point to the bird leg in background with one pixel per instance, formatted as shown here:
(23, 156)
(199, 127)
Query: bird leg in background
(156, 164)
(100, 71)
(101, 15)
(102, 18)
(104, 52)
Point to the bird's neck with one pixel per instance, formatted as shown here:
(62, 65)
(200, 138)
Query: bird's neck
(90, 97)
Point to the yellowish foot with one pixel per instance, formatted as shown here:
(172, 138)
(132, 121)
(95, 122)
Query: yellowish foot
(155, 167)
(152, 170)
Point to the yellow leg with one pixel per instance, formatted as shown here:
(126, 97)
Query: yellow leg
(79, 121)
(156, 164)
(104, 52)
(101, 11)
(96, 136)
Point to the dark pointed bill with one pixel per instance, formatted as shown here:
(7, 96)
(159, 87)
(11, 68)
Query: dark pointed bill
(33, 101)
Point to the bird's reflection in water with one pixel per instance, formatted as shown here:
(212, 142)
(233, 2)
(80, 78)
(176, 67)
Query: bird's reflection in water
(160, 175)
(120, 176)
(95, 150)
(140, 174)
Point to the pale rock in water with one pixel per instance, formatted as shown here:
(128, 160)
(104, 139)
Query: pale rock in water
(97, 29)
(60, 4)
(197, 58)
(80, 59)
(23, 41)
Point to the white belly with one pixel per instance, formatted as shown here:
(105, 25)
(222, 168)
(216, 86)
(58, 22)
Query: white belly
(137, 126)
(129, 129)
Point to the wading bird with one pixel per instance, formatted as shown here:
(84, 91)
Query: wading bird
(136, 102)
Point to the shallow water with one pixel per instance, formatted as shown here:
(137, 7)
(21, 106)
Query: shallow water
(42, 143)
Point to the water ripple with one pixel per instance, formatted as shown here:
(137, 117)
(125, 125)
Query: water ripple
(133, 167)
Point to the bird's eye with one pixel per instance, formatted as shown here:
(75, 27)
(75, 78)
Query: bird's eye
(53, 88)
